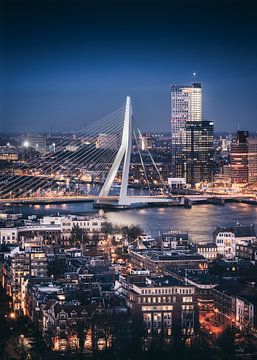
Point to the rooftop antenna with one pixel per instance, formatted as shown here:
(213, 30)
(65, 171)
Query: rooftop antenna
(238, 126)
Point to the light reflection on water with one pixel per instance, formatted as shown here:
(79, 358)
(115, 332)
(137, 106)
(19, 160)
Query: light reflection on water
(200, 220)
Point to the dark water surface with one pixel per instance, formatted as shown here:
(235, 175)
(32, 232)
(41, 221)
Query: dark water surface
(200, 220)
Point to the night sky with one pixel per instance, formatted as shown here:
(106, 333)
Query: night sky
(66, 63)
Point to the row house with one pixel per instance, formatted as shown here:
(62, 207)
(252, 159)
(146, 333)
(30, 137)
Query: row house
(235, 304)
(88, 225)
(31, 262)
(227, 239)
(164, 304)
(73, 327)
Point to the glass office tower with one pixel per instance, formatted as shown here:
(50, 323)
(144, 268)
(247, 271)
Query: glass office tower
(186, 105)
(192, 138)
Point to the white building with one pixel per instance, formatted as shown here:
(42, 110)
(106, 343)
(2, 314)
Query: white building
(226, 239)
(90, 225)
(8, 235)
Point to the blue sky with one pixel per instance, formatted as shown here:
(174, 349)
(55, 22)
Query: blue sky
(67, 63)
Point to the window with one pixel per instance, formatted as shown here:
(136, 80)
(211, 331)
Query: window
(187, 299)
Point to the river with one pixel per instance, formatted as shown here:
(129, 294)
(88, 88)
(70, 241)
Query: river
(200, 220)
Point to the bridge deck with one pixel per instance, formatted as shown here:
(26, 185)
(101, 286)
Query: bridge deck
(131, 199)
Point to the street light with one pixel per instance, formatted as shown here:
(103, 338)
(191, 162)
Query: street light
(12, 315)
(26, 144)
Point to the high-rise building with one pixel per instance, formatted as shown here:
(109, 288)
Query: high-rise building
(252, 160)
(192, 137)
(239, 159)
(186, 105)
(199, 151)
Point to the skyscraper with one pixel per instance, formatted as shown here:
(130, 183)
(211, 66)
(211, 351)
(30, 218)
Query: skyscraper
(252, 160)
(199, 151)
(186, 105)
(239, 159)
(192, 137)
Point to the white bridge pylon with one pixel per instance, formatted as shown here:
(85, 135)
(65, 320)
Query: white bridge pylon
(123, 153)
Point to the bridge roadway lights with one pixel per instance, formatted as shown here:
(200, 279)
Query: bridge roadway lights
(129, 199)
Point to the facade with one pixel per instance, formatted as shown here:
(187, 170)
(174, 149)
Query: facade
(52, 228)
(192, 137)
(235, 304)
(247, 251)
(61, 325)
(239, 159)
(164, 304)
(173, 239)
(32, 261)
(90, 225)
(224, 239)
(199, 151)
(227, 239)
(186, 105)
(252, 160)
(209, 251)
(157, 260)
(8, 235)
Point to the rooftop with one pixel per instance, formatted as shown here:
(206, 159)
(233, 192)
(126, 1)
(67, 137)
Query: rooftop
(160, 282)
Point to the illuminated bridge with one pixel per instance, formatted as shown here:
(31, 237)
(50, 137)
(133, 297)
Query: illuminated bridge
(92, 166)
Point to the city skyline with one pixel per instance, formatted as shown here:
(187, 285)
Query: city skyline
(60, 62)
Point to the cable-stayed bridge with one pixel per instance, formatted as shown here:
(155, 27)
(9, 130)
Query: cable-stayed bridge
(93, 165)
(99, 160)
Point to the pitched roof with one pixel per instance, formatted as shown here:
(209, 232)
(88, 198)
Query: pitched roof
(245, 231)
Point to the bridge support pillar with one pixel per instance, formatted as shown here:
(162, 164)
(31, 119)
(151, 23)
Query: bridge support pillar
(123, 153)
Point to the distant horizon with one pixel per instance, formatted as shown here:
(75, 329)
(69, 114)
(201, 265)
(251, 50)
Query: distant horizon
(166, 133)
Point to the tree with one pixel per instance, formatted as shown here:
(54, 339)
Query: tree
(76, 235)
(131, 232)
(5, 334)
(82, 328)
(226, 341)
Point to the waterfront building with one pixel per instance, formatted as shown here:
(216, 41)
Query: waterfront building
(226, 239)
(239, 159)
(176, 240)
(199, 151)
(252, 160)
(52, 228)
(192, 137)
(90, 225)
(186, 105)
